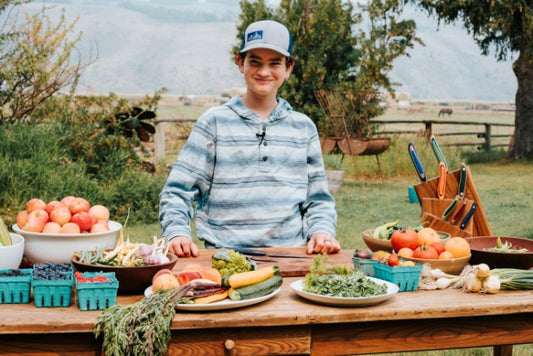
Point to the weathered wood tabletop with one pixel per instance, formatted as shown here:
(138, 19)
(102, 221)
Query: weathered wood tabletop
(288, 324)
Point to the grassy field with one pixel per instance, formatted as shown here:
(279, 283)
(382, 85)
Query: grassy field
(369, 198)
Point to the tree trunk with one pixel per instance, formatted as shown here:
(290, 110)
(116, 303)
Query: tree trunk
(521, 145)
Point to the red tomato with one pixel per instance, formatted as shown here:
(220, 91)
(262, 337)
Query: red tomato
(393, 260)
(426, 252)
(404, 238)
(438, 246)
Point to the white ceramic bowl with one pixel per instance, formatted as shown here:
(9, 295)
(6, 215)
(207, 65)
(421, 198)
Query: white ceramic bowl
(11, 256)
(58, 248)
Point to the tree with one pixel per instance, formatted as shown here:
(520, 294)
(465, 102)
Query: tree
(333, 48)
(505, 27)
(36, 60)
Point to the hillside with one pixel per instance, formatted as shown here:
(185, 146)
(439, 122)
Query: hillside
(184, 45)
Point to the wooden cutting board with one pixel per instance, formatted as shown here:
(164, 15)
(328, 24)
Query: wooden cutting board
(289, 267)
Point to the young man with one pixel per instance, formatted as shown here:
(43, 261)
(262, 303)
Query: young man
(253, 166)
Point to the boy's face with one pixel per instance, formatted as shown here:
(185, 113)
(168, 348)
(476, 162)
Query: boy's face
(264, 71)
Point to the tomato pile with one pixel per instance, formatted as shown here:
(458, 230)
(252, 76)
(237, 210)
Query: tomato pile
(96, 279)
(426, 244)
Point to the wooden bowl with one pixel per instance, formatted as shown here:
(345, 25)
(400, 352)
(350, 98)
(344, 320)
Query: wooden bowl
(376, 244)
(451, 265)
(131, 280)
(501, 259)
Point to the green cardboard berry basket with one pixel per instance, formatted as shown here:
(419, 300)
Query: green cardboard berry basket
(52, 293)
(405, 277)
(97, 295)
(364, 264)
(15, 289)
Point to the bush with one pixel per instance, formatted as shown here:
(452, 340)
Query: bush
(70, 153)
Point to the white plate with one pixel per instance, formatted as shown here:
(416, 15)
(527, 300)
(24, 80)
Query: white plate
(222, 305)
(392, 289)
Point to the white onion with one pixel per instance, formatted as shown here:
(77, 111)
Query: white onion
(492, 284)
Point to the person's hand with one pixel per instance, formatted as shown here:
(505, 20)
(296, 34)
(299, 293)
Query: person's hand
(182, 246)
(323, 243)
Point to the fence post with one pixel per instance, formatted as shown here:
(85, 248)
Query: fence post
(159, 140)
(428, 128)
(487, 136)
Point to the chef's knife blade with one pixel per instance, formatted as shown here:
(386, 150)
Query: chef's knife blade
(416, 162)
(462, 180)
(437, 151)
(257, 252)
(468, 216)
(441, 187)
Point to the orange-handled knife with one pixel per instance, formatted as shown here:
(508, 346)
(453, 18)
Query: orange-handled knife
(441, 187)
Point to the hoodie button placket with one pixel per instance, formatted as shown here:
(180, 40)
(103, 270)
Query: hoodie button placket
(264, 155)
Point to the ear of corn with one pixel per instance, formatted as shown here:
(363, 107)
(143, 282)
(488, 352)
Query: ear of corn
(5, 238)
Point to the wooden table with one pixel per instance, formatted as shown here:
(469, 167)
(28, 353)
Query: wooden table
(288, 324)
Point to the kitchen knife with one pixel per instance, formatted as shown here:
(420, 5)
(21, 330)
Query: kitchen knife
(450, 208)
(257, 252)
(462, 180)
(416, 162)
(468, 216)
(459, 212)
(437, 151)
(441, 187)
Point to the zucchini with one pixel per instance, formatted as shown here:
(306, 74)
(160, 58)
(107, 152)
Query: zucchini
(257, 290)
(5, 238)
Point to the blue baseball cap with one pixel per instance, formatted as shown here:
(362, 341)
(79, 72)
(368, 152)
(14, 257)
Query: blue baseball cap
(267, 34)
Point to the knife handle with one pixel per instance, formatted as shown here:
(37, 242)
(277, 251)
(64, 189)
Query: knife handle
(459, 212)
(468, 216)
(416, 162)
(462, 180)
(437, 151)
(441, 188)
(450, 208)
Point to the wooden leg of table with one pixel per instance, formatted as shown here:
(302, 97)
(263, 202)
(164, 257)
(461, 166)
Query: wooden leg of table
(503, 350)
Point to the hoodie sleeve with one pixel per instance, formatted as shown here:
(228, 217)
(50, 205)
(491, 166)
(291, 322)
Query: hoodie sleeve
(189, 180)
(319, 208)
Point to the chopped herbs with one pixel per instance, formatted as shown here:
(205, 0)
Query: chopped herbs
(339, 281)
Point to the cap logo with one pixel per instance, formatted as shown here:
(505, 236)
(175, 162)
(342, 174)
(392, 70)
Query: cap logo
(253, 36)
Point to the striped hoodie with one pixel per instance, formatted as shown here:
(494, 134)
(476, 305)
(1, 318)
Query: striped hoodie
(250, 182)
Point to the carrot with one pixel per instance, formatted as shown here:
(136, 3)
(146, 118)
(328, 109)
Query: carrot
(212, 298)
(242, 279)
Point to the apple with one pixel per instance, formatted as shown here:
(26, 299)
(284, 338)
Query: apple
(34, 204)
(22, 218)
(99, 227)
(100, 211)
(40, 213)
(51, 228)
(54, 204)
(66, 200)
(78, 205)
(61, 215)
(70, 228)
(34, 224)
(83, 220)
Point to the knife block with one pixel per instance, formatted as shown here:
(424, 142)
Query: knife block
(428, 190)
(435, 222)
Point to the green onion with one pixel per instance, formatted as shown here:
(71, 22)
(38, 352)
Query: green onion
(514, 278)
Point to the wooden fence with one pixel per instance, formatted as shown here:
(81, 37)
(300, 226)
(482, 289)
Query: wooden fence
(428, 128)
(485, 138)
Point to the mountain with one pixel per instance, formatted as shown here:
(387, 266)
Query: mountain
(184, 45)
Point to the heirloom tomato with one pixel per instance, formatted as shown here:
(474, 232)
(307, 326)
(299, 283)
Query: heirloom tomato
(404, 238)
(426, 253)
